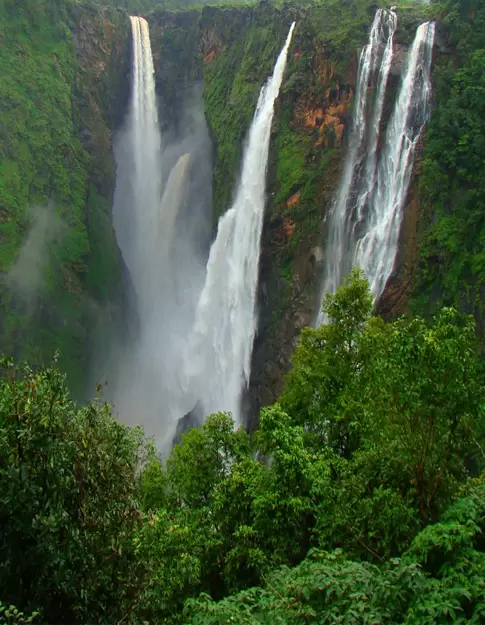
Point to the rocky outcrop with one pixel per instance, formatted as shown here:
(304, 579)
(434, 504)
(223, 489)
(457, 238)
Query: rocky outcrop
(193, 419)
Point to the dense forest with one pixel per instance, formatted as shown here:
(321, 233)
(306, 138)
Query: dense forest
(359, 499)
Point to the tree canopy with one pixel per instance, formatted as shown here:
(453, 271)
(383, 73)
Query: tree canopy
(358, 500)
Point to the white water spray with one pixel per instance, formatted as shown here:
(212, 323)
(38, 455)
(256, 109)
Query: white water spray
(340, 227)
(136, 227)
(376, 250)
(366, 217)
(160, 223)
(220, 358)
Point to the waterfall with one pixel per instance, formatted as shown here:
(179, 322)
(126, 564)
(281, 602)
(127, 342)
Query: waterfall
(226, 320)
(161, 215)
(340, 231)
(371, 158)
(136, 230)
(365, 218)
(376, 250)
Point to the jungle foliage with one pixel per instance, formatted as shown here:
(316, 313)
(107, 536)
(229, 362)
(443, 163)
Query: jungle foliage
(451, 267)
(358, 500)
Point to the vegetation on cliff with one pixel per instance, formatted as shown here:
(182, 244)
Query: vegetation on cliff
(369, 506)
(59, 262)
(451, 267)
(361, 496)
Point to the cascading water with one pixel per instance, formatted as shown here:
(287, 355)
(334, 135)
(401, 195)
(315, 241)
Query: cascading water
(376, 250)
(143, 169)
(161, 216)
(340, 227)
(390, 19)
(365, 220)
(220, 356)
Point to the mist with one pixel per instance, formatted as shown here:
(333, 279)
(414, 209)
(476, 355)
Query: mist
(27, 277)
(162, 220)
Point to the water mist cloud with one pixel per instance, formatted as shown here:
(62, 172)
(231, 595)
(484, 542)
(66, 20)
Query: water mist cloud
(162, 220)
(26, 278)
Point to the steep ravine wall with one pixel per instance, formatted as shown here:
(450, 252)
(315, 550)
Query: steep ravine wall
(228, 52)
(232, 51)
(64, 83)
(312, 140)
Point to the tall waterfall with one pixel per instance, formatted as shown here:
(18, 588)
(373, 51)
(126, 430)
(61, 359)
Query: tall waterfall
(136, 230)
(365, 219)
(226, 317)
(376, 250)
(161, 216)
(340, 237)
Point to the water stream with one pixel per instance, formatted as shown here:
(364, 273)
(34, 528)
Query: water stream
(220, 357)
(365, 219)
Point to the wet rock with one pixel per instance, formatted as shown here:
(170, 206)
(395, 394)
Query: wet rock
(193, 419)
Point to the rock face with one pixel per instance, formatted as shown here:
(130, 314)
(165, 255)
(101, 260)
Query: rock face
(232, 52)
(316, 112)
(193, 419)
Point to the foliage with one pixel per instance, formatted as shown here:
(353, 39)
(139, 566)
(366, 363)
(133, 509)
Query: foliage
(451, 263)
(354, 502)
(439, 580)
(9, 615)
(46, 102)
(68, 502)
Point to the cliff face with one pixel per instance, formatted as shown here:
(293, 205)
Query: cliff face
(63, 81)
(450, 265)
(232, 51)
(307, 155)
(80, 62)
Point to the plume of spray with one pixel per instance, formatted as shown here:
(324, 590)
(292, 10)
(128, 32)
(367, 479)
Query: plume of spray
(219, 356)
(26, 277)
(161, 216)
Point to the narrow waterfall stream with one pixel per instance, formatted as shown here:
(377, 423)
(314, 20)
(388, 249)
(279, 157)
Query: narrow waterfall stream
(365, 219)
(220, 356)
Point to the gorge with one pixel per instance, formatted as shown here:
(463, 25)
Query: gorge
(203, 364)
(173, 343)
(242, 312)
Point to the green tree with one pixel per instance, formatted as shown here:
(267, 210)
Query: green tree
(438, 581)
(327, 360)
(393, 416)
(68, 501)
